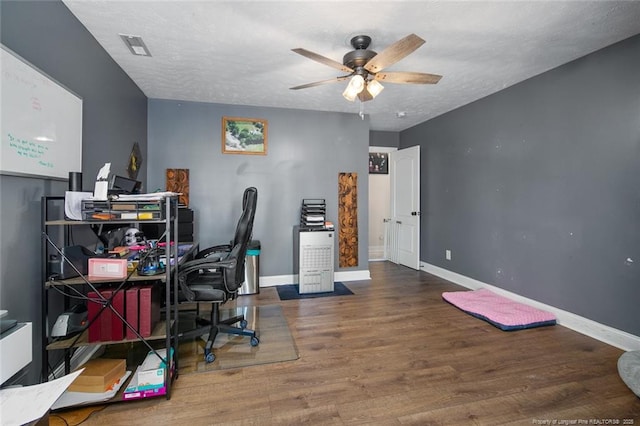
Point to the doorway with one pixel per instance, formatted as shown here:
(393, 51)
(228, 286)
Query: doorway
(404, 224)
(394, 208)
(379, 208)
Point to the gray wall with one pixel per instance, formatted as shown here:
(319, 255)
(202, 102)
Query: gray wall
(305, 152)
(536, 189)
(387, 139)
(114, 116)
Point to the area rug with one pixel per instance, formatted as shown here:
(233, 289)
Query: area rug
(629, 370)
(276, 343)
(290, 292)
(499, 311)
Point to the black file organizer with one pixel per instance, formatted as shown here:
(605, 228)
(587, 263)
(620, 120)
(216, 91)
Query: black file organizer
(313, 214)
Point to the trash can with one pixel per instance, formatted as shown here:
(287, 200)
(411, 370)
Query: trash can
(251, 269)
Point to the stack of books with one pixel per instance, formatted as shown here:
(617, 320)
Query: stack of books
(142, 309)
(139, 305)
(105, 326)
(313, 214)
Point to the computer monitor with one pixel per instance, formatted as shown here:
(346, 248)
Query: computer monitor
(123, 185)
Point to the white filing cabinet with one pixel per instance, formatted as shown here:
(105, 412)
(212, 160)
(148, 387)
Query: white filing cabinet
(315, 260)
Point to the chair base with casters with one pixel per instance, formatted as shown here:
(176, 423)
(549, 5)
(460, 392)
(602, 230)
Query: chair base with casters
(216, 325)
(208, 283)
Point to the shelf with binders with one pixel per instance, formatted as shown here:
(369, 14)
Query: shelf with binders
(159, 332)
(107, 295)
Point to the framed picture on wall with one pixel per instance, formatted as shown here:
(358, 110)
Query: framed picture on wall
(135, 161)
(244, 136)
(379, 163)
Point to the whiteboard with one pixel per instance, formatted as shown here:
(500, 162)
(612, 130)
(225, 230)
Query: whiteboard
(41, 125)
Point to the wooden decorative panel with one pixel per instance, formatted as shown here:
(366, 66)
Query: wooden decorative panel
(348, 219)
(178, 181)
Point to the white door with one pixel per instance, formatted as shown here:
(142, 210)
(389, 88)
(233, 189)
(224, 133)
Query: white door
(404, 167)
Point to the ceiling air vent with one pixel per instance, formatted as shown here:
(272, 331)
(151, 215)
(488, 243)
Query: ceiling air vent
(135, 45)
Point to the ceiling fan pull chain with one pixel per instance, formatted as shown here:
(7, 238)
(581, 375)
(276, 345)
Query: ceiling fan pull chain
(361, 113)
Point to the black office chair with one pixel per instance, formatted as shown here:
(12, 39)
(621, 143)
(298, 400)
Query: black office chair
(215, 276)
(249, 200)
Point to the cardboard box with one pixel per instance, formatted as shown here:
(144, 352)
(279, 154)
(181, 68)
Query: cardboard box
(99, 375)
(134, 391)
(150, 375)
(151, 379)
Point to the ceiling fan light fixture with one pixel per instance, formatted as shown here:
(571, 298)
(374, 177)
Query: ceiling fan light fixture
(364, 67)
(355, 86)
(349, 95)
(374, 87)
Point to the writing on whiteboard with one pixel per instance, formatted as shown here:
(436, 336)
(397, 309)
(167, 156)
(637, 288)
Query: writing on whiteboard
(29, 149)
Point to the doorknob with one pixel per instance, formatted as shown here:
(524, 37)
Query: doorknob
(399, 222)
(415, 213)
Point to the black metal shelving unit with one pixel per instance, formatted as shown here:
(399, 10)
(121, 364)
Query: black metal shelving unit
(56, 233)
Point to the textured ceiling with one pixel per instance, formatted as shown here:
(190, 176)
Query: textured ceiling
(239, 52)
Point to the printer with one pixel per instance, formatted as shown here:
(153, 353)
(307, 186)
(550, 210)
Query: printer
(79, 256)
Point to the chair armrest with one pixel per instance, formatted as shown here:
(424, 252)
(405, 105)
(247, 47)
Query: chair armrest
(197, 265)
(222, 248)
(205, 263)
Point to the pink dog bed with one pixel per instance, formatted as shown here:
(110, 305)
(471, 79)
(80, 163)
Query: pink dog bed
(498, 310)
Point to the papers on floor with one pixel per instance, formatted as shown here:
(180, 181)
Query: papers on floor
(69, 399)
(25, 404)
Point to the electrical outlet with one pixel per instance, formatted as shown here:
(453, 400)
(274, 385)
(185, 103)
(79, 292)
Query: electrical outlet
(447, 254)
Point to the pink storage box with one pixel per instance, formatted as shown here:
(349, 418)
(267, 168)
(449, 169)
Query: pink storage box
(107, 268)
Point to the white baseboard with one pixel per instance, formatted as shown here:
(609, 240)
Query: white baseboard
(353, 275)
(274, 280)
(604, 333)
(376, 252)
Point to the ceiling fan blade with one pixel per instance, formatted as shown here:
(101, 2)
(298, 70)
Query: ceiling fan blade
(318, 83)
(408, 77)
(394, 53)
(322, 59)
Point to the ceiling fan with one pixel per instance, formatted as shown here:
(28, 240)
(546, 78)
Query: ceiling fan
(365, 66)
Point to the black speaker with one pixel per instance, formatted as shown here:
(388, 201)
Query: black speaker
(75, 181)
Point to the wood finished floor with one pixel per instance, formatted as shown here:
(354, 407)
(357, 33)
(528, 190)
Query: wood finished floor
(394, 353)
